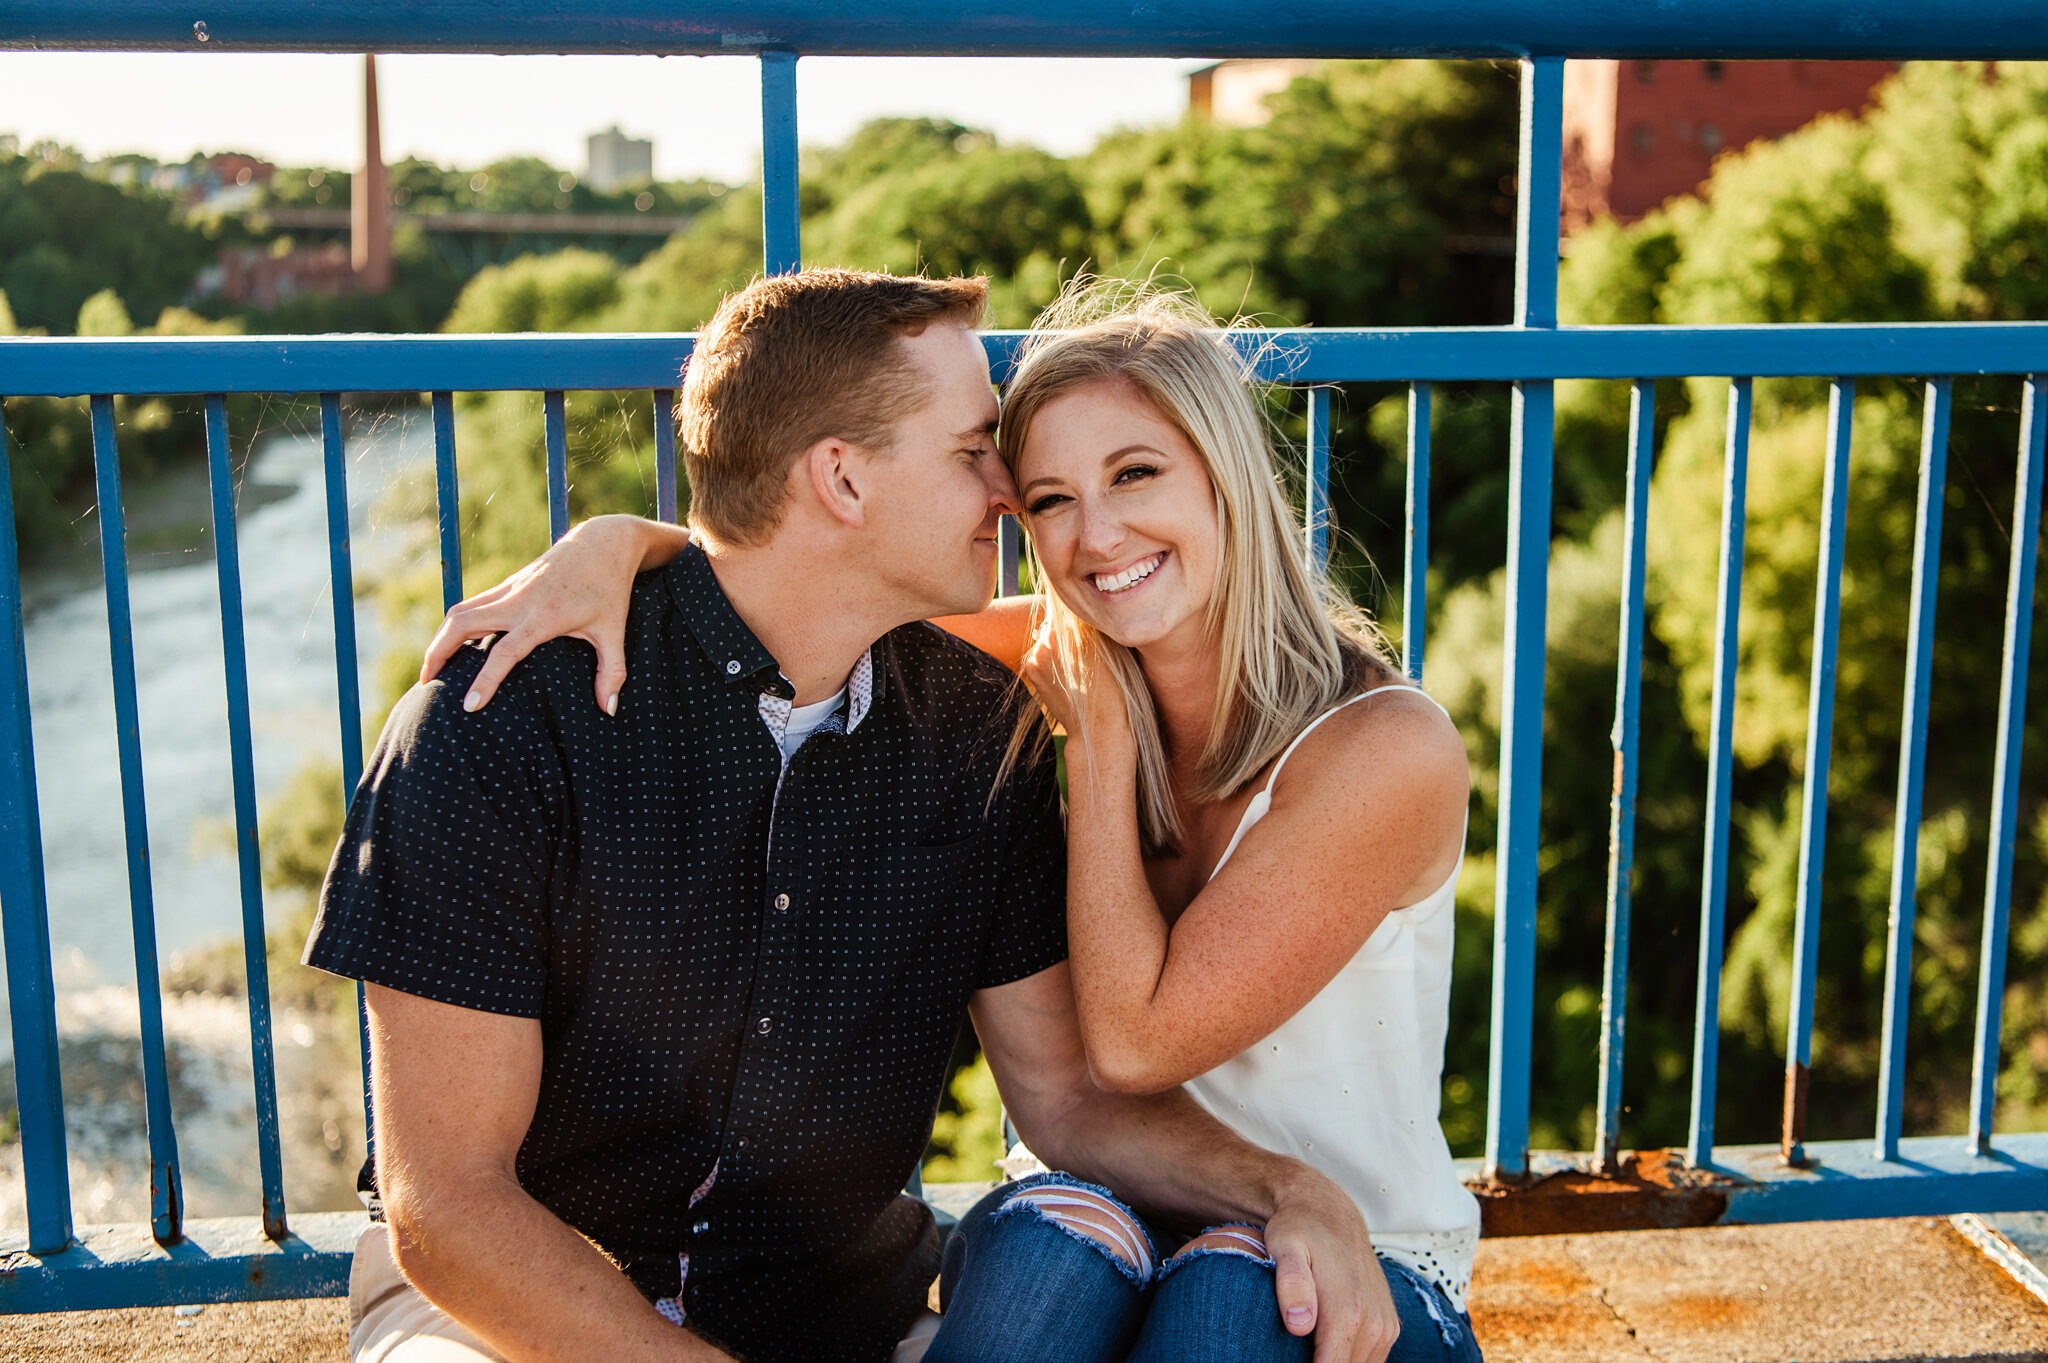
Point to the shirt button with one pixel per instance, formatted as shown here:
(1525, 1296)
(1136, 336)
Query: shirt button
(742, 1142)
(732, 669)
(781, 902)
(765, 1026)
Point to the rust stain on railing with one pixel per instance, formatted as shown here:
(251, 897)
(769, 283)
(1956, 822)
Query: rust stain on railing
(1649, 1190)
(1796, 1076)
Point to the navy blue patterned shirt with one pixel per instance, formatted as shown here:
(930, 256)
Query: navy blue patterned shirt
(737, 968)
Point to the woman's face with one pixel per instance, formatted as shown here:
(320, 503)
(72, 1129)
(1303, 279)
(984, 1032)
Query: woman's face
(1122, 514)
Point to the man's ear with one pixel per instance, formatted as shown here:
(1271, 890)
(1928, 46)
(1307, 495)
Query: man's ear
(836, 472)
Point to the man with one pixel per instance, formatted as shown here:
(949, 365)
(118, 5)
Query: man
(661, 998)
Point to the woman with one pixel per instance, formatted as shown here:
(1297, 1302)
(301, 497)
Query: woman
(1265, 827)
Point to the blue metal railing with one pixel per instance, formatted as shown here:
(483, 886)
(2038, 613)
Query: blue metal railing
(171, 1259)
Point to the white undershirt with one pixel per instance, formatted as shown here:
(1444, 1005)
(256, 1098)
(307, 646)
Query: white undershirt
(804, 721)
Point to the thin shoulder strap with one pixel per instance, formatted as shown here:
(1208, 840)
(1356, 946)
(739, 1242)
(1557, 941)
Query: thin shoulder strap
(1363, 695)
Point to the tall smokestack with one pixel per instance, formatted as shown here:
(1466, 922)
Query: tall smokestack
(369, 233)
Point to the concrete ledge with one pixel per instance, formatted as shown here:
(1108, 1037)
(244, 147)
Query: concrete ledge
(1822, 1292)
(1841, 1292)
(2016, 1241)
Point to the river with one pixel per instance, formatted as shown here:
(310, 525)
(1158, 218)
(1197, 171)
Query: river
(288, 624)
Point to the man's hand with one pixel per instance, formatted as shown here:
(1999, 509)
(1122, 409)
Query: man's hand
(1327, 1277)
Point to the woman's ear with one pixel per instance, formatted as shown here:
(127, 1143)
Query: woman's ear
(835, 472)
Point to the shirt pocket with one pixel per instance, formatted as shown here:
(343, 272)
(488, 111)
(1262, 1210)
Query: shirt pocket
(917, 873)
(913, 909)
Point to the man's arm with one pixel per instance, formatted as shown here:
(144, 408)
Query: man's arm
(1177, 1163)
(455, 1090)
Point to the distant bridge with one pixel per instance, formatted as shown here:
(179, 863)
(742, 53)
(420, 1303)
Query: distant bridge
(519, 224)
(470, 240)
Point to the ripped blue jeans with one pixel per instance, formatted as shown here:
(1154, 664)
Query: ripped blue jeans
(1054, 1270)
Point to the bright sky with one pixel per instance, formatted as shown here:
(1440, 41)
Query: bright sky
(703, 113)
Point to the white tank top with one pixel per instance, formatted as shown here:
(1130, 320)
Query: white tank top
(1352, 1083)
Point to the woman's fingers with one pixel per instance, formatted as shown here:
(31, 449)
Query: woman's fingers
(611, 665)
(504, 655)
(466, 621)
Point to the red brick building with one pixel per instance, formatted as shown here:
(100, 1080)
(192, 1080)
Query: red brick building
(1639, 132)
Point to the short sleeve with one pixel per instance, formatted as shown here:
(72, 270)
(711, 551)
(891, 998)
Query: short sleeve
(439, 885)
(1029, 932)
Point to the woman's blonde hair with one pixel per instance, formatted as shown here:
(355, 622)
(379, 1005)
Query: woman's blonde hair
(1291, 644)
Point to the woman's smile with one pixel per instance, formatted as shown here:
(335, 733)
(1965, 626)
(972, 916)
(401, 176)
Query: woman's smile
(1121, 512)
(1127, 580)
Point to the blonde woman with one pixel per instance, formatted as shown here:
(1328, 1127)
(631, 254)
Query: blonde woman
(1265, 825)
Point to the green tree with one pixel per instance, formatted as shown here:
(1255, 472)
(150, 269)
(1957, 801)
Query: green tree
(65, 236)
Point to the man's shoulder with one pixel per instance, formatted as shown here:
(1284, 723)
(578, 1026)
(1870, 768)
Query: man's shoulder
(946, 679)
(555, 671)
(527, 712)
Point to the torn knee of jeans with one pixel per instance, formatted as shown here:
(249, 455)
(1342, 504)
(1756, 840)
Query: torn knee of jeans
(1093, 1218)
(1246, 1241)
(1447, 1325)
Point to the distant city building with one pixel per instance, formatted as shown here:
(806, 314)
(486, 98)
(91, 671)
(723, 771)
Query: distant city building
(1639, 132)
(1233, 93)
(615, 160)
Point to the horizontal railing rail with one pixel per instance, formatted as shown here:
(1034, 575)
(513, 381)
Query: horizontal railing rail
(69, 366)
(55, 1265)
(2012, 30)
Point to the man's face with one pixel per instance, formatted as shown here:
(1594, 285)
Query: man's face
(940, 489)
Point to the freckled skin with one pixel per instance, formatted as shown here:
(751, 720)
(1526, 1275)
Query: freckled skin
(1108, 482)
(1176, 972)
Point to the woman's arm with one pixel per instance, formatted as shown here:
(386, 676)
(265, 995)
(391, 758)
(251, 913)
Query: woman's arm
(1368, 816)
(580, 588)
(1002, 629)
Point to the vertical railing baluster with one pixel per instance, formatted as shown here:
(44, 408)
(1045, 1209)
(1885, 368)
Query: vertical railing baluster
(1706, 1045)
(1316, 483)
(166, 1194)
(2005, 782)
(1820, 730)
(781, 222)
(557, 425)
(1009, 551)
(1521, 729)
(347, 684)
(447, 499)
(341, 582)
(1891, 1073)
(1415, 551)
(227, 563)
(25, 920)
(1621, 812)
(665, 454)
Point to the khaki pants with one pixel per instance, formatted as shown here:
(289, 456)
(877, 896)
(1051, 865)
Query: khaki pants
(390, 1322)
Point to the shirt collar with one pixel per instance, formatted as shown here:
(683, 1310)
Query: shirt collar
(739, 657)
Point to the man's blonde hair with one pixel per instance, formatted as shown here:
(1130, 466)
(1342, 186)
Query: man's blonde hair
(794, 359)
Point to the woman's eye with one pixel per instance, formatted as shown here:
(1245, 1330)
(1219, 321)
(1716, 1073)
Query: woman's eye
(1045, 504)
(1133, 473)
